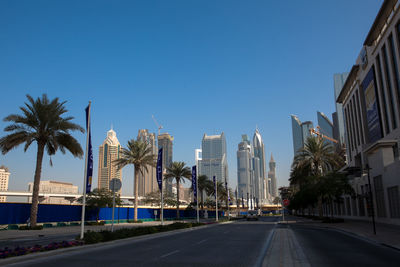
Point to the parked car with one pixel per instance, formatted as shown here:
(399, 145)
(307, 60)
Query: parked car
(252, 215)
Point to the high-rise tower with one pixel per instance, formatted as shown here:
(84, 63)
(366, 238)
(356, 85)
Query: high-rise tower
(147, 180)
(245, 168)
(165, 142)
(300, 131)
(272, 177)
(338, 82)
(214, 160)
(4, 177)
(108, 152)
(260, 171)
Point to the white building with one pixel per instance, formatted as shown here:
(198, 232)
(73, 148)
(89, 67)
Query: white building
(4, 177)
(371, 108)
(55, 188)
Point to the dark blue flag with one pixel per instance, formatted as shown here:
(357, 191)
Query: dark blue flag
(242, 200)
(194, 183)
(89, 172)
(159, 169)
(215, 187)
(227, 191)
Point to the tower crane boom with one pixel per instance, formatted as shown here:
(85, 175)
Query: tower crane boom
(159, 126)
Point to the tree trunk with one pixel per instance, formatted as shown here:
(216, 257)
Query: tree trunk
(36, 184)
(177, 198)
(135, 189)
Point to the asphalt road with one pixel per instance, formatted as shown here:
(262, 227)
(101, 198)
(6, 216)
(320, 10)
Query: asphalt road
(241, 243)
(325, 247)
(236, 244)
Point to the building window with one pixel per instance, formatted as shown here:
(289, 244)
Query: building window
(105, 155)
(353, 132)
(359, 116)
(383, 94)
(379, 196)
(356, 121)
(389, 87)
(394, 205)
(347, 121)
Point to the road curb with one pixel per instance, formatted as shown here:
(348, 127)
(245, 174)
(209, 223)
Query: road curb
(113, 243)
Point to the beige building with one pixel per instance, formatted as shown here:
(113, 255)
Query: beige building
(54, 187)
(4, 177)
(371, 108)
(148, 181)
(108, 152)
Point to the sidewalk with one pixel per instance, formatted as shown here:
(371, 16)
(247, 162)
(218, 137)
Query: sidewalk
(386, 234)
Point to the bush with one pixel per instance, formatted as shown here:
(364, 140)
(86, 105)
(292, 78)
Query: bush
(92, 237)
(26, 227)
(95, 223)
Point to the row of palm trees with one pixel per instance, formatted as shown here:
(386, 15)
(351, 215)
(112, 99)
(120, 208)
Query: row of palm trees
(314, 176)
(43, 122)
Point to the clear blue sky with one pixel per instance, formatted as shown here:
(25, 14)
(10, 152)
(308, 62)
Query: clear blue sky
(198, 66)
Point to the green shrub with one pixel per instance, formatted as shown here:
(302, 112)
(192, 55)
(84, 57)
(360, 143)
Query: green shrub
(26, 227)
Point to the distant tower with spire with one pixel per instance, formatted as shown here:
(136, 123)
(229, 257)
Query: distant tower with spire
(108, 152)
(272, 177)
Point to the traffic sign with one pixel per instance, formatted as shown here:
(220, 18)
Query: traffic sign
(286, 202)
(115, 184)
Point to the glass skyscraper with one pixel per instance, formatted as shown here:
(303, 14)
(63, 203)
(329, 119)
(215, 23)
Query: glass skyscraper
(325, 125)
(300, 132)
(165, 142)
(214, 160)
(260, 171)
(338, 81)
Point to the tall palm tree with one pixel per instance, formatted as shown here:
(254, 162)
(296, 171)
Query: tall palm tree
(140, 155)
(317, 155)
(203, 182)
(41, 122)
(314, 161)
(178, 171)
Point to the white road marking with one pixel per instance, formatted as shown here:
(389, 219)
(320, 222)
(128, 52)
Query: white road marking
(168, 254)
(202, 241)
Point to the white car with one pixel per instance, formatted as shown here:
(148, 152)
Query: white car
(252, 215)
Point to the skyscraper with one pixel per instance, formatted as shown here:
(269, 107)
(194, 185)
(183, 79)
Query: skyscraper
(147, 180)
(108, 152)
(338, 82)
(272, 177)
(260, 171)
(325, 125)
(245, 168)
(165, 142)
(4, 177)
(300, 132)
(197, 158)
(214, 160)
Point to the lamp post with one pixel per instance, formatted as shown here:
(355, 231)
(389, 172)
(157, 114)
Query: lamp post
(371, 199)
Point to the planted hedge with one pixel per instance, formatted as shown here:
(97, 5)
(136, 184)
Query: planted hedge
(92, 237)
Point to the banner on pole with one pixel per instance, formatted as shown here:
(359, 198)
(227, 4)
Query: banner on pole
(159, 169)
(215, 187)
(194, 183)
(89, 172)
(227, 191)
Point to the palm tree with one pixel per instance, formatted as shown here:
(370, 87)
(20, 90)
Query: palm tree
(178, 171)
(41, 122)
(313, 162)
(203, 183)
(140, 154)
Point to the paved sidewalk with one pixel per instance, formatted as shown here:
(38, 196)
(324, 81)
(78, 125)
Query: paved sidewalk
(386, 234)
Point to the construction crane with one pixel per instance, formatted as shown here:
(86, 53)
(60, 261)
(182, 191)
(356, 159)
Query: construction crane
(321, 135)
(159, 126)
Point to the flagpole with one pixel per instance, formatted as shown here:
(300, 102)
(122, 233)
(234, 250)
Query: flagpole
(216, 199)
(85, 174)
(197, 197)
(162, 202)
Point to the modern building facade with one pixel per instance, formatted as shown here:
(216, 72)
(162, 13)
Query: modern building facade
(147, 180)
(108, 152)
(325, 126)
(197, 158)
(338, 119)
(272, 178)
(214, 161)
(4, 179)
(55, 188)
(260, 170)
(371, 107)
(245, 168)
(300, 133)
(165, 141)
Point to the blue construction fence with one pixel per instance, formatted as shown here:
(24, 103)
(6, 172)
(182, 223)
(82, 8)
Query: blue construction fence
(18, 213)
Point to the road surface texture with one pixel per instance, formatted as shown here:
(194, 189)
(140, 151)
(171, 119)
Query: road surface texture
(242, 243)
